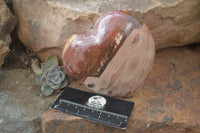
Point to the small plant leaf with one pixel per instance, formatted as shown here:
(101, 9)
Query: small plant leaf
(68, 78)
(46, 72)
(54, 69)
(46, 90)
(63, 69)
(64, 84)
(45, 68)
(52, 85)
(43, 80)
(52, 60)
(38, 78)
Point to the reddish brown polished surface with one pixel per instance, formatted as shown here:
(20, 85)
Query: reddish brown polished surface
(89, 53)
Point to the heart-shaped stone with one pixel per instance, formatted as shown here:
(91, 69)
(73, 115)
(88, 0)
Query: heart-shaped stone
(114, 57)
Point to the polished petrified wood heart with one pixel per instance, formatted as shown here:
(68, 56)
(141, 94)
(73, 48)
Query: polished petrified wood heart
(114, 57)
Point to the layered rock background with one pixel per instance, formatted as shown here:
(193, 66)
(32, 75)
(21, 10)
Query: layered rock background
(45, 25)
(7, 24)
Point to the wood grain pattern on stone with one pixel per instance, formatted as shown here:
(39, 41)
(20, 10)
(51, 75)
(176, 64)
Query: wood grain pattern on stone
(128, 69)
(168, 102)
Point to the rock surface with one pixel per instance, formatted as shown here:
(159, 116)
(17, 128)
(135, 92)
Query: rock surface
(168, 102)
(45, 25)
(21, 106)
(7, 24)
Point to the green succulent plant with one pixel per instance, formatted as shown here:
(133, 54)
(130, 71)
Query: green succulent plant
(52, 77)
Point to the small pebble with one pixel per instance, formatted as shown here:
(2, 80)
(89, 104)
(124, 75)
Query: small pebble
(17, 82)
(148, 125)
(1, 121)
(29, 88)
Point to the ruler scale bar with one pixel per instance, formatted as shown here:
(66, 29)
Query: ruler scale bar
(99, 108)
(68, 102)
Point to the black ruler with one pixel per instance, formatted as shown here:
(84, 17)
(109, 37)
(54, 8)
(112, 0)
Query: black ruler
(99, 108)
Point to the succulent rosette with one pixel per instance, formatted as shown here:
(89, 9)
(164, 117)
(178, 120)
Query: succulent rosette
(52, 77)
